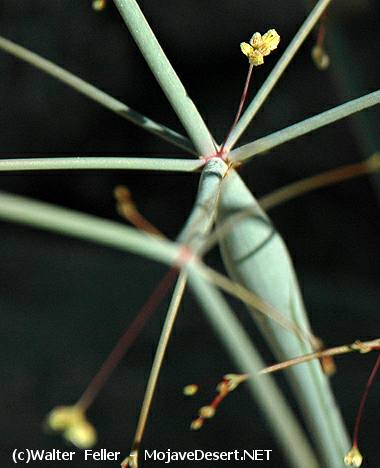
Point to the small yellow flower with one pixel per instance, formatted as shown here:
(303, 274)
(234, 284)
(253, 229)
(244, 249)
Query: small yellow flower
(233, 380)
(72, 423)
(260, 46)
(207, 412)
(99, 5)
(190, 390)
(353, 458)
(82, 435)
(196, 424)
(62, 417)
(320, 58)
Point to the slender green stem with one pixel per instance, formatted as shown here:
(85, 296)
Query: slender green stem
(103, 162)
(268, 142)
(96, 94)
(43, 215)
(159, 357)
(276, 73)
(202, 216)
(166, 76)
(350, 80)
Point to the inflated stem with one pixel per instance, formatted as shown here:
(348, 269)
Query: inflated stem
(95, 94)
(266, 143)
(276, 73)
(166, 76)
(279, 416)
(197, 227)
(256, 257)
(42, 215)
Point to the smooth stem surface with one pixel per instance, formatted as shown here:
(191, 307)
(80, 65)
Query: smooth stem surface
(296, 189)
(96, 94)
(266, 143)
(251, 299)
(276, 73)
(166, 76)
(158, 358)
(103, 162)
(201, 219)
(43, 215)
(280, 418)
(256, 256)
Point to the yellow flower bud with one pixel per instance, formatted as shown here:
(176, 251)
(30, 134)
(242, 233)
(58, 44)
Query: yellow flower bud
(190, 390)
(82, 435)
(353, 458)
(206, 412)
(62, 417)
(196, 424)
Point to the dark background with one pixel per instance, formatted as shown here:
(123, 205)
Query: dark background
(65, 302)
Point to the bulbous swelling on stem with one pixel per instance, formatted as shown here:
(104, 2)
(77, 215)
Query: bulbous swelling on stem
(255, 255)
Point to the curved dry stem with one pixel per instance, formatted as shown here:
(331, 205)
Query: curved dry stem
(335, 176)
(246, 152)
(358, 346)
(96, 94)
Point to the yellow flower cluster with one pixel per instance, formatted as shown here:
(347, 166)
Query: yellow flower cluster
(260, 46)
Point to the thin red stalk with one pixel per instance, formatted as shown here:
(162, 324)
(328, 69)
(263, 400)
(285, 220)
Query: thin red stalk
(239, 111)
(127, 339)
(321, 34)
(363, 401)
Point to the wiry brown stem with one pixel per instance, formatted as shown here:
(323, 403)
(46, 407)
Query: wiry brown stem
(363, 401)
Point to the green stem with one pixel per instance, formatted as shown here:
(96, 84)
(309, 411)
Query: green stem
(279, 416)
(65, 221)
(268, 142)
(166, 76)
(96, 94)
(158, 359)
(276, 73)
(43, 215)
(104, 162)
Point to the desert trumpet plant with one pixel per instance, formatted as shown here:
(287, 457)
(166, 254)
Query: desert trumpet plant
(258, 263)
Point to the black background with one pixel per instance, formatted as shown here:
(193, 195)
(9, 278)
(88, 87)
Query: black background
(65, 302)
